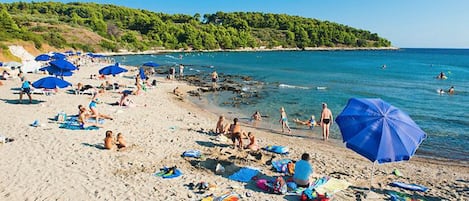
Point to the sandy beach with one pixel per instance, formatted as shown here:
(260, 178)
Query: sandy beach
(50, 163)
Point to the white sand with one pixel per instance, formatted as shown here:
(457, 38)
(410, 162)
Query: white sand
(49, 163)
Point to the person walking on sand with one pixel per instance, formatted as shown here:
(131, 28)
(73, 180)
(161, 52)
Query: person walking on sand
(25, 88)
(284, 120)
(326, 121)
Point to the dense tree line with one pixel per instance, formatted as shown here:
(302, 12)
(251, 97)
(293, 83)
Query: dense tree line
(135, 29)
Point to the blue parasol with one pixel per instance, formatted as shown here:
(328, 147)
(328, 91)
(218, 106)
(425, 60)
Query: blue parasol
(379, 131)
(43, 57)
(51, 83)
(151, 64)
(112, 70)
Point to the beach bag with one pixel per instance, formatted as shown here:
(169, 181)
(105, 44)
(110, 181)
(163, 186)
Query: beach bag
(311, 195)
(291, 168)
(279, 186)
(262, 184)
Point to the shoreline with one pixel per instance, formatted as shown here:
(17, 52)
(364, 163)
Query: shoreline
(217, 109)
(149, 52)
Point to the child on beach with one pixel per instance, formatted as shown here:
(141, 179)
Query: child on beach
(108, 141)
(284, 120)
(120, 141)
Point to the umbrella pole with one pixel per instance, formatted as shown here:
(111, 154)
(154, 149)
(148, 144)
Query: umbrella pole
(372, 173)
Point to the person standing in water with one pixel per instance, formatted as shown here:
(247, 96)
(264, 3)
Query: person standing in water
(326, 121)
(284, 120)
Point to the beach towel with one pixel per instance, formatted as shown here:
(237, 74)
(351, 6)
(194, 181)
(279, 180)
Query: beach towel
(412, 187)
(397, 196)
(319, 182)
(168, 173)
(76, 126)
(312, 186)
(332, 186)
(245, 174)
(277, 149)
(281, 165)
(230, 196)
(192, 153)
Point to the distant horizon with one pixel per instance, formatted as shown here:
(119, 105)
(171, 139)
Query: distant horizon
(407, 24)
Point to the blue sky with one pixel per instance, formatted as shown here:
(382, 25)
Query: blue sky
(406, 23)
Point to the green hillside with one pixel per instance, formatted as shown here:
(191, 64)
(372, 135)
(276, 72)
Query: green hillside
(102, 27)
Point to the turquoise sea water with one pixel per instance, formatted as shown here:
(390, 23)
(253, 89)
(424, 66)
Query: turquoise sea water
(290, 79)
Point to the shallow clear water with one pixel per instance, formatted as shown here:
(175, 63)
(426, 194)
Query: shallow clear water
(290, 79)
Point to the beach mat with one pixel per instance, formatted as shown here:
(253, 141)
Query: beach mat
(76, 126)
(397, 196)
(245, 174)
(277, 149)
(332, 186)
(412, 187)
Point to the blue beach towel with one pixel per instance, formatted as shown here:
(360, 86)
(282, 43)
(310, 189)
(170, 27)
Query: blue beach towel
(76, 126)
(168, 173)
(245, 174)
(397, 196)
(277, 149)
(281, 165)
(412, 187)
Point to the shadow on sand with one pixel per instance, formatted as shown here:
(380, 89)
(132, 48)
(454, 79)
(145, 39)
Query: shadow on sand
(23, 102)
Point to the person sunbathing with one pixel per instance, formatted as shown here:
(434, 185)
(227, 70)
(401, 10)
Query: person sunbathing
(125, 101)
(108, 141)
(83, 117)
(252, 142)
(120, 141)
(221, 127)
(177, 92)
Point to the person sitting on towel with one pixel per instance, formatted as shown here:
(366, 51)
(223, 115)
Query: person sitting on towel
(303, 170)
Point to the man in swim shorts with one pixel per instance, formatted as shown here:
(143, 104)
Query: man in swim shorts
(235, 131)
(326, 121)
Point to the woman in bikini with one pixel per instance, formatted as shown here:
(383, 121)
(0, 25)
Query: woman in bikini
(284, 120)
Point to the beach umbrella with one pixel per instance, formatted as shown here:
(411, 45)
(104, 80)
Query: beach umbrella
(151, 64)
(112, 70)
(63, 65)
(55, 71)
(43, 57)
(51, 83)
(58, 56)
(1, 64)
(379, 131)
(68, 52)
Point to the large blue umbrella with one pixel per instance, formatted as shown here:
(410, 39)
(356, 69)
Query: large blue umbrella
(57, 55)
(63, 65)
(112, 70)
(43, 57)
(55, 71)
(1, 64)
(379, 131)
(151, 64)
(51, 83)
